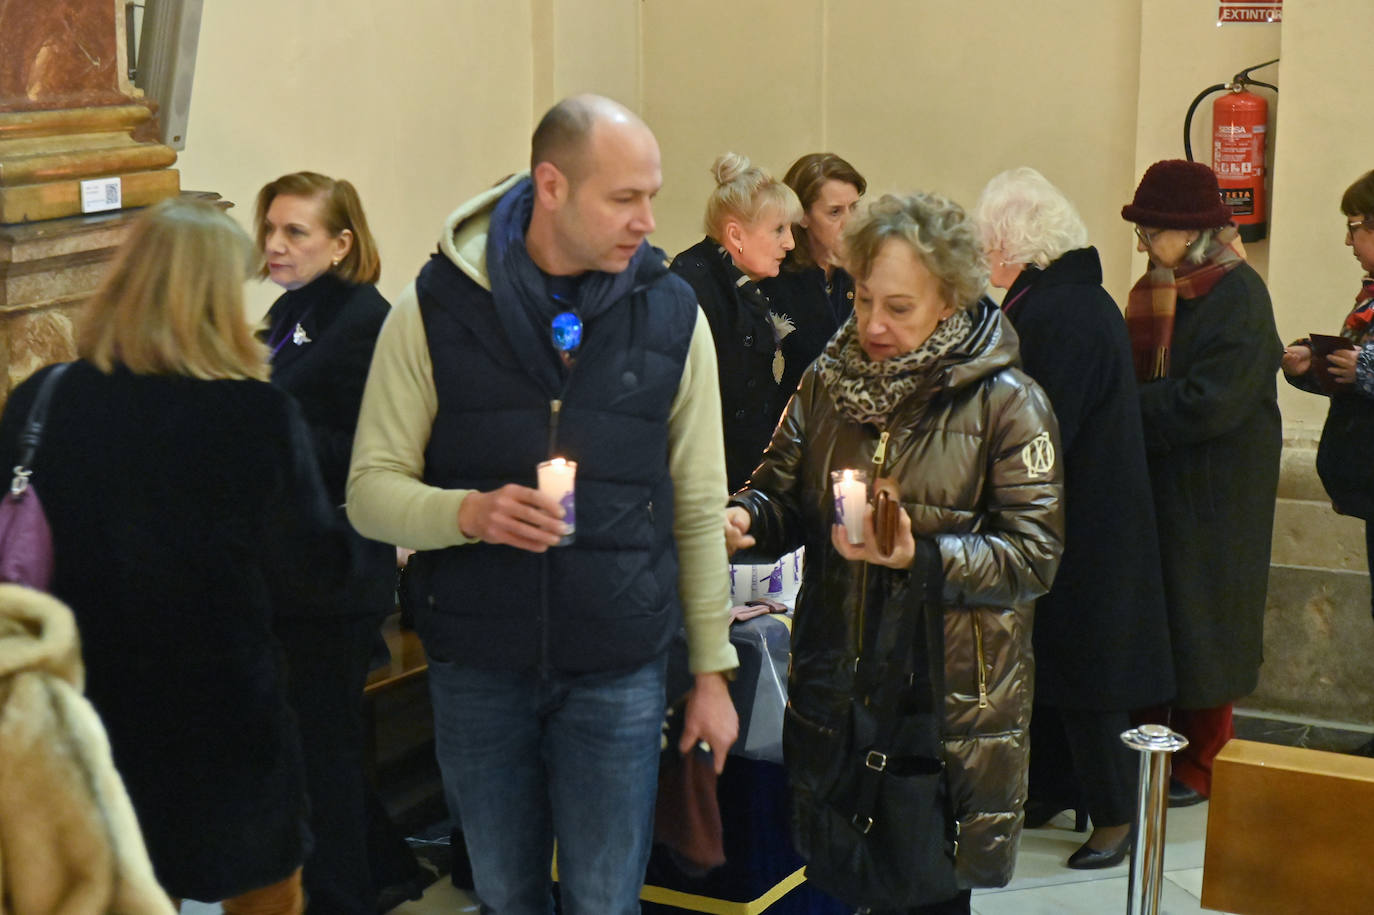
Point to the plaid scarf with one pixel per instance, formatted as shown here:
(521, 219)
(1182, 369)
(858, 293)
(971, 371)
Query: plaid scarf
(1357, 324)
(867, 391)
(1153, 301)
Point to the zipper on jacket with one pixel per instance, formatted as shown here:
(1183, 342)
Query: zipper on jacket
(555, 410)
(879, 460)
(978, 659)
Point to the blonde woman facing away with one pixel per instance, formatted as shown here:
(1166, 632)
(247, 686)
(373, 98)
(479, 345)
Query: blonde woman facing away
(186, 507)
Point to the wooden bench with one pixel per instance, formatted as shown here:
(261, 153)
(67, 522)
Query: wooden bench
(1288, 831)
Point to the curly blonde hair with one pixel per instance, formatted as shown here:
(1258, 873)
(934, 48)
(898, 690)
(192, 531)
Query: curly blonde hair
(936, 228)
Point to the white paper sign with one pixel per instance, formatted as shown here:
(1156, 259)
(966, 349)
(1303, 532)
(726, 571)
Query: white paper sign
(99, 194)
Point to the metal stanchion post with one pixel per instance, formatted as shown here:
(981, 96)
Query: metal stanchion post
(1155, 743)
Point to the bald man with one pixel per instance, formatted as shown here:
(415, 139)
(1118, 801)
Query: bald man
(547, 327)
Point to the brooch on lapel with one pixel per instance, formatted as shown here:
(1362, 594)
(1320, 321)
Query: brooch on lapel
(782, 326)
(299, 336)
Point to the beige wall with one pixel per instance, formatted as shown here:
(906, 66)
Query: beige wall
(422, 109)
(418, 104)
(915, 94)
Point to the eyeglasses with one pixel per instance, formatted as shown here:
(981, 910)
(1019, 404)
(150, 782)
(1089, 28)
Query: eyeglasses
(1147, 237)
(1352, 227)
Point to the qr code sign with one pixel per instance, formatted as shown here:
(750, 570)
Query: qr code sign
(99, 194)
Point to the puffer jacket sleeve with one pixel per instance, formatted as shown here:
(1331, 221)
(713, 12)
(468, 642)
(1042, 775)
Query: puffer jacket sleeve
(1012, 557)
(773, 495)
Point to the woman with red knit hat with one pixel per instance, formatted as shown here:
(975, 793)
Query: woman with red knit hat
(1206, 354)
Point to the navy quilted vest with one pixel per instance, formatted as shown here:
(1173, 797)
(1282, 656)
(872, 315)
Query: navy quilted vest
(609, 601)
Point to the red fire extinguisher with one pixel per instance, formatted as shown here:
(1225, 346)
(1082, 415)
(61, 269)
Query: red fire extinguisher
(1240, 130)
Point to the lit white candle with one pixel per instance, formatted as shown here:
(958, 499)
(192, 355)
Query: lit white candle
(558, 478)
(851, 495)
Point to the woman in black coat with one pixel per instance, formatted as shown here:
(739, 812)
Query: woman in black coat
(812, 290)
(185, 502)
(749, 220)
(1207, 355)
(317, 246)
(1101, 634)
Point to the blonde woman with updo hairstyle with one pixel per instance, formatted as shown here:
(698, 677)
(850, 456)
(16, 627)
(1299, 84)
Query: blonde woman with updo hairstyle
(748, 223)
(1102, 633)
(187, 516)
(921, 390)
(315, 244)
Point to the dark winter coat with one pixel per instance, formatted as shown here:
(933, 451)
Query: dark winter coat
(184, 513)
(1102, 633)
(739, 314)
(801, 296)
(972, 455)
(324, 366)
(325, 373)
(1213, 437)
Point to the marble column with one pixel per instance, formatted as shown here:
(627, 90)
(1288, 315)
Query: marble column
(68, 111)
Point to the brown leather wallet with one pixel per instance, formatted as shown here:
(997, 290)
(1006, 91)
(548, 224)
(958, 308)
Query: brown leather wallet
(885, 510)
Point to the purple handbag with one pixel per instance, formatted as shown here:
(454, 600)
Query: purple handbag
(26, 554)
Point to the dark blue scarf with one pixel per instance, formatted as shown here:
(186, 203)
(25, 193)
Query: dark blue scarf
(521, 290)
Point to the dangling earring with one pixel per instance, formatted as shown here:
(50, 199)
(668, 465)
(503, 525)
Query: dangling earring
(740, 249)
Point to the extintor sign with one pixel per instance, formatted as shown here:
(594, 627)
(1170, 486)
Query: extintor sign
(1231, 11)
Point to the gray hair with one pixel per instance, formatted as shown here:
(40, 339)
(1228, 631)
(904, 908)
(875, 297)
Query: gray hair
(1197, 251)
(1029, 218)
(936, 228)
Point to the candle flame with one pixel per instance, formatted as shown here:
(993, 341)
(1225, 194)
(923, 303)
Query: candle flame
(849, 476)
(558, 462)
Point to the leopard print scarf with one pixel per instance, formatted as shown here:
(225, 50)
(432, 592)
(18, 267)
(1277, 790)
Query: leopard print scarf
(867, 391)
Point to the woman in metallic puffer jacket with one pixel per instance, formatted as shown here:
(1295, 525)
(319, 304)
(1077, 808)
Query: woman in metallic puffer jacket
(921, 389)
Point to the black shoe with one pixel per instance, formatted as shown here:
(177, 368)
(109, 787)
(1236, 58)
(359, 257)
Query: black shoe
(1087, 859)
(1180, 795)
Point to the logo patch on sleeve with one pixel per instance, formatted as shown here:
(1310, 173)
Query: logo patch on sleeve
(1038, 455)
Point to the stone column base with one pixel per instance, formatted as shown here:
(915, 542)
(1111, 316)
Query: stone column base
(45, 155)
(1318, 631)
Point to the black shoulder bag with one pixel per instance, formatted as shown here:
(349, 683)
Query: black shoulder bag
(881, 833)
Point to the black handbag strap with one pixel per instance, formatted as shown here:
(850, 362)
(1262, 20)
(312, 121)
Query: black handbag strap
(883, 684)
(32, 433)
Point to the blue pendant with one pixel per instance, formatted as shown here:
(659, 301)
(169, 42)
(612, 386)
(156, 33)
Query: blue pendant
(567, 331)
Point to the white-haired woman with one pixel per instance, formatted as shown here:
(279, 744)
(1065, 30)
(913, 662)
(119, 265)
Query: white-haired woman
(1101, 635)
(749, 220)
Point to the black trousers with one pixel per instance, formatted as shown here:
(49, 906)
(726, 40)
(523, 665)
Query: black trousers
(327, 663)
(1077, 760)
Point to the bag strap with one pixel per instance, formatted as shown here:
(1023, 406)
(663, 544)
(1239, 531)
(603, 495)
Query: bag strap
(32, 433)
(885, 681)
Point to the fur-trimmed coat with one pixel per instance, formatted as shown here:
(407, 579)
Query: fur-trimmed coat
(69, 841)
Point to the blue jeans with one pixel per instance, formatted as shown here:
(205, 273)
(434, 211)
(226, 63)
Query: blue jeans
(527, 759)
